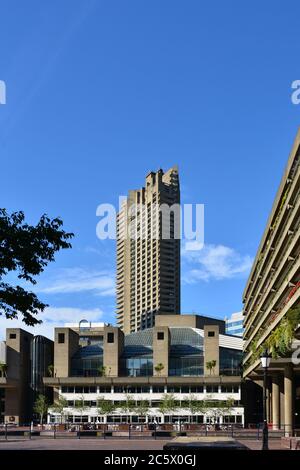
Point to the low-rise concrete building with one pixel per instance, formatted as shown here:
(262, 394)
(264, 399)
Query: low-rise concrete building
(182, 358)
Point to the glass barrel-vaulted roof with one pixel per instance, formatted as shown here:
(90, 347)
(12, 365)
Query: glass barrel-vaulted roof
(93, 350)
(184, 341)
(139, 343)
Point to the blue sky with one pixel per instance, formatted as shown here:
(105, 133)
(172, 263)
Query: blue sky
(101, 92)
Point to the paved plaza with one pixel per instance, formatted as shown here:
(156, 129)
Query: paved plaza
(108, 444)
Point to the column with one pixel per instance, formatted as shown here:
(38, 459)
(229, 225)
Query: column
(269, 402)
(288, 399)
(275, 402)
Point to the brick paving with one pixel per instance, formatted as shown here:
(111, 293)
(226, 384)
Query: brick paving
(109, 444)
(82, 444)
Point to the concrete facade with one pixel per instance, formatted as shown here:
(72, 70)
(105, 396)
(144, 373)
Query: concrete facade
(148, 261)
(161, 342)
(16, 382)
(66, 344)
(272, 291)
(112, 350)
(161, 350)
(211, 348)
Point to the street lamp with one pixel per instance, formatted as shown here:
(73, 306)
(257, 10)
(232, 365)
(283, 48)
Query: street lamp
(265, 359)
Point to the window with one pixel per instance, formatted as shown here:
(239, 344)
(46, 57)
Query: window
(173, 389)
(160, 335)
(61, 338)
(212, 389)
(12, 336)
(230, 361)
(229, 389)
(110, 337)
(198, 389)
(186, 365)
(89, 389)
(139, 366)
(211, 334)
(104, 389)
(156, 389)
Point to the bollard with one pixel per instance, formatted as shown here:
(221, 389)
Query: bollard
(6, 431)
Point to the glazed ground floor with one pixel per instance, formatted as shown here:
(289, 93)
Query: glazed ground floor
(212, 416)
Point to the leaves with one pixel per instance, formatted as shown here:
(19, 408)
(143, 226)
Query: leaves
(159, 368)
(105, 407)
(27, 250)
(279, 342)
(41, 406)
(167, 404)
(59, 405)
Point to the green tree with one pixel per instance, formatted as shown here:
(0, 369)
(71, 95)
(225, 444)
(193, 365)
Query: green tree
(59, 406)
(80, 405)
(41, 407)
(3, 369)
(105, 407)
(102, 371)
(216, 408)
(192, 404)
(280, 340)
(142, 408)
(210, 365)
(50, 370)
(159, 368)
(26, 250)
(168, 404)
(127, 405)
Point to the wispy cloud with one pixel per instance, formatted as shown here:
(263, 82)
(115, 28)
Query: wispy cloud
(52, 317)
(72, 280)
(215, 262)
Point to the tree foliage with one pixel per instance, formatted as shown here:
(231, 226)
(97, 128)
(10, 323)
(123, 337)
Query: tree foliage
(59, 405)
(279, 342)
(127, 405)
(26, 250)
(41, 407)
(210, 365)
(105, 407)
(142, 408)
(168, 404)
(159, 368)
